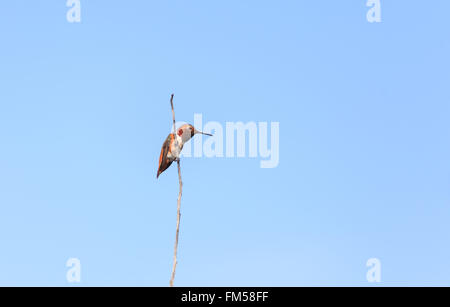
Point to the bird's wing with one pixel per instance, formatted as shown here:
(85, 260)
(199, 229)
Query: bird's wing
(164, 162)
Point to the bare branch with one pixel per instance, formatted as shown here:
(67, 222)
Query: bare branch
(178, 201)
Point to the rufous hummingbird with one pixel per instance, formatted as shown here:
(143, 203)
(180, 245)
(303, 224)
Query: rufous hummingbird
(172, 147)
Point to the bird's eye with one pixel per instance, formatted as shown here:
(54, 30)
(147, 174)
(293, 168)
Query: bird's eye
(180, 132)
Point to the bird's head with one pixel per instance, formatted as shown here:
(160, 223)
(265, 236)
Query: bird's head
(187, 131)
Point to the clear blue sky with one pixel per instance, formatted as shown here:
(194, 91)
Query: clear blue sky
(364, 142)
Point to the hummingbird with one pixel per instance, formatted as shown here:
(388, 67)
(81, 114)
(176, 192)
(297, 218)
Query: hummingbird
(173, 145)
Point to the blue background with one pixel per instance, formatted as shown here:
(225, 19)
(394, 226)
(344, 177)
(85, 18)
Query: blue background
(364, 142)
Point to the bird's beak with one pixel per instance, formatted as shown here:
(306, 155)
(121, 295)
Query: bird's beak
(196, 131)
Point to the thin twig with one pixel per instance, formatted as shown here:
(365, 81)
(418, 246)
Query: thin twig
(178, 201)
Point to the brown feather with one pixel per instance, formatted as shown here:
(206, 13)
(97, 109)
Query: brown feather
(165, 162)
